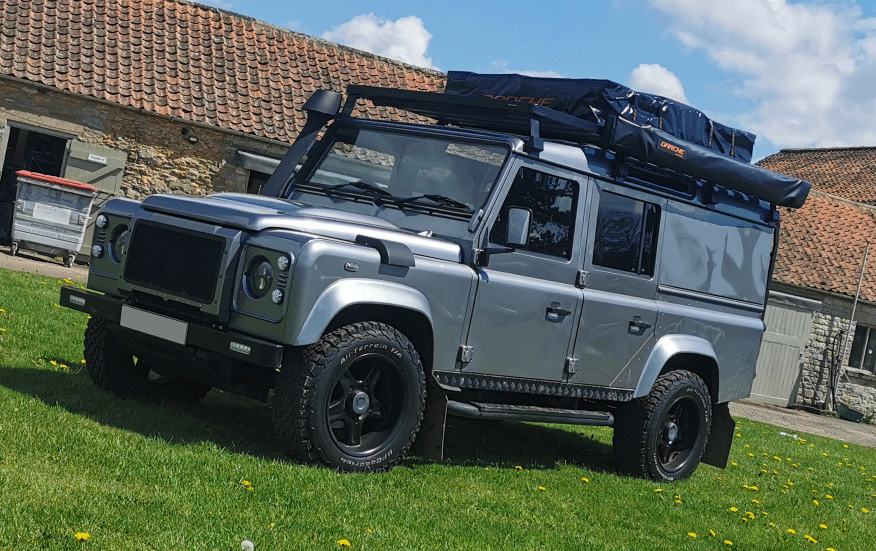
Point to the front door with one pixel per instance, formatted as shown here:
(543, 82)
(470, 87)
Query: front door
(527, 305)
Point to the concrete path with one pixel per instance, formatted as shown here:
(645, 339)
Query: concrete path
(790, 419)
(794, 420)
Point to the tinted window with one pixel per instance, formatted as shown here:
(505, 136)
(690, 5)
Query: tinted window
(552, 201)
(626, 234)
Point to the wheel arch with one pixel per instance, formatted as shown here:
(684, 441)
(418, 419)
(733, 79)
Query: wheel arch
(688, 352)
(352, 300)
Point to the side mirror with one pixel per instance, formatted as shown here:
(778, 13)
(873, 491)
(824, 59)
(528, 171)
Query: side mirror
(519, 221)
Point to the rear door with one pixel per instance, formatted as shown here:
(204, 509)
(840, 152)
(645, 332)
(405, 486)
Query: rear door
(619, 315)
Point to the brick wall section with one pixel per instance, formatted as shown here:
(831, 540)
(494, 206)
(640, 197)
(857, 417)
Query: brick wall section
(160, 159)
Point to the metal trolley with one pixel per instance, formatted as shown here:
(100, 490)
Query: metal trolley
(51, 214)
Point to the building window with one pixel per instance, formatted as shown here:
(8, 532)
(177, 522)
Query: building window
(863, 355)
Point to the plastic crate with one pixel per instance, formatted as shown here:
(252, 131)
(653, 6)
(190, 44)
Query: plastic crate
(51, 214)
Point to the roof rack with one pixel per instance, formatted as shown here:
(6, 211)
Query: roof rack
(534, 122)
(644, 143)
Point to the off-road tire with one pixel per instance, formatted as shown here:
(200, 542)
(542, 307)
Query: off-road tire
(662, 436)
(114, 369)
(353, 401)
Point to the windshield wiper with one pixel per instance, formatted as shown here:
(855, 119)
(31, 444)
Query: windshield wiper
(374, 191)
(440, 200)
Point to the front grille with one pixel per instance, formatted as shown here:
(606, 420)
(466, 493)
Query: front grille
(180, 263)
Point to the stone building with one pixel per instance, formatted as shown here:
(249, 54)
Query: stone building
(147, 96)
(821, 254)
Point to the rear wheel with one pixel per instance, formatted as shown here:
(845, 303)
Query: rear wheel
(663, 435)
(116, 370)
(354, 400)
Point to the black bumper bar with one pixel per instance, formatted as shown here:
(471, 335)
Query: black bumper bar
(227, 343)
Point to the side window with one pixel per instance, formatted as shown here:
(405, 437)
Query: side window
(552, 201)
(626, 234)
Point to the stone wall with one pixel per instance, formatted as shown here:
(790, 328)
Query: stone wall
(161, 157)
(831, 336)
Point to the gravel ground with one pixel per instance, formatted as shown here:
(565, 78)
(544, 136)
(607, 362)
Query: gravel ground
(792, 420)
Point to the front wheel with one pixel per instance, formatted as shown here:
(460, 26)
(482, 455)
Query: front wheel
(354, 400)
(663, 435)
(115, 369)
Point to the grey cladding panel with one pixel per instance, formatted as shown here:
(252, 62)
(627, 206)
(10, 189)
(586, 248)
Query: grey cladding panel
(716, 254)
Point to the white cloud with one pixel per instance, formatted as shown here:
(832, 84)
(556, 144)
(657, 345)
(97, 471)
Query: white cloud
(502, 66)
(656, 79)
(808, 68)
(405, 39)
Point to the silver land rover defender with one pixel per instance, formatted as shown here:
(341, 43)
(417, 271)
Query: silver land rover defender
(584, 264)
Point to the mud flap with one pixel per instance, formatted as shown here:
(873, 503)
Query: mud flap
(720, 438)
(430, 440)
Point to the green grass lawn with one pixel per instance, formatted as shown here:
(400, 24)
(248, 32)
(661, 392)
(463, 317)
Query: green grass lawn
(209, 475)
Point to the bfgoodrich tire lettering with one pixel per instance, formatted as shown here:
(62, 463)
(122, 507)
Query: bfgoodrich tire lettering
(663, 435)
(114, 369)
(354, 400)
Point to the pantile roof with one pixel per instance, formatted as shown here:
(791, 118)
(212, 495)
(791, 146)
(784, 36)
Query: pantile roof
(847, 172)
(822, 246)
(186, 60)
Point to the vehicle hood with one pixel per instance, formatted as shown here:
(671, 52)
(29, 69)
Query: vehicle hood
(257, 213)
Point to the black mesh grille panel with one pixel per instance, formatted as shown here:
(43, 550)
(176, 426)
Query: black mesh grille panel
(179, 263)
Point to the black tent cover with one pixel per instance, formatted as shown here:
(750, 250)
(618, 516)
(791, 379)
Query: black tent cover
(648, 127)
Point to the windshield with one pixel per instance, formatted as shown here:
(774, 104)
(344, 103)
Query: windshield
(410, 172)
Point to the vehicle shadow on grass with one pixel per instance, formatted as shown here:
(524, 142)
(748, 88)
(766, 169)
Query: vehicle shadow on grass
(242, 425)
(508, 444)
(233, 423)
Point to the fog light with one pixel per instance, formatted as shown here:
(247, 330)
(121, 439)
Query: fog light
(283, 263)
(277, 296)
(97, 251)
(101, 221)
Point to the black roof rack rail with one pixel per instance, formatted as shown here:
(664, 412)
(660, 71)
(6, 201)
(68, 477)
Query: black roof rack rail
(534, 122)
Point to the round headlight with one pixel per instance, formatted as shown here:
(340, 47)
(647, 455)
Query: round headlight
(97, 251)
(277, 296)
(101, 221)
(118, 245)
(259, 277)
(283, 263)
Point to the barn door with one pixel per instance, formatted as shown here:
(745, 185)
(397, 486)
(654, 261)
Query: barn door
(99, 166)
(788, 324)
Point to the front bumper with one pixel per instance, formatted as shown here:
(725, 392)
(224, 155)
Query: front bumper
(232, 345)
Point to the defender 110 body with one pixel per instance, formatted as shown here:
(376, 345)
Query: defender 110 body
(508, 262)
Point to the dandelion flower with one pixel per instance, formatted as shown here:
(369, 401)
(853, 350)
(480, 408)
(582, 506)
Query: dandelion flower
(815, 501)
(865, 510)
(823, 526)
(791, 531)
(728, 542)
(691, 534)
(734, 464)
(344, 543)
(712, 533)
(658, 490)
(734, 509)
(810, 539)
(542, 488)
(585, 479)
(828, 496)
(82, 536)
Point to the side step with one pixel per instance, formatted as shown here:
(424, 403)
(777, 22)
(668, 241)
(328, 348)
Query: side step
(529, 413)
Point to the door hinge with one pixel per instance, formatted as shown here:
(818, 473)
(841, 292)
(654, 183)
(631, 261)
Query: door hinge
(583, 279)
(466, 353)
(571, 366)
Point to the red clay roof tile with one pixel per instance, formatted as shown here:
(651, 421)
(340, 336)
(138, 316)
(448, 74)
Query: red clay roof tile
(187, 56)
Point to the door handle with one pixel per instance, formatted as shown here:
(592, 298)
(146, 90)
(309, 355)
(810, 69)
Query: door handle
(637, 326)
(556, 313)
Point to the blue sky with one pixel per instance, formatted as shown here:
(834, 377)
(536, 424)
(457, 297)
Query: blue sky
(798, 74)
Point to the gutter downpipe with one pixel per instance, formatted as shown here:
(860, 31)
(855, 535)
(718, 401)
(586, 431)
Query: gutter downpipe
(841, 371)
